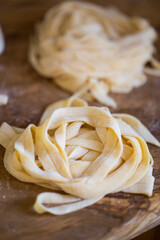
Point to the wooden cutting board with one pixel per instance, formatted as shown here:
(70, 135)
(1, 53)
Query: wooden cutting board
(117, 216)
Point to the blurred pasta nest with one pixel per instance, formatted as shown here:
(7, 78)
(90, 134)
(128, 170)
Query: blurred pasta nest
(91, 51)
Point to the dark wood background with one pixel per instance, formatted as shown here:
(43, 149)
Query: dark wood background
(117, 216)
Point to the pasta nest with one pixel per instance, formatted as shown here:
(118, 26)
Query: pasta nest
(91, 50)
(84, 151)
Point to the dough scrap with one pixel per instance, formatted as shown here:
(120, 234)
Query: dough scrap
(83, 151)
(91, 50)
(3, 97)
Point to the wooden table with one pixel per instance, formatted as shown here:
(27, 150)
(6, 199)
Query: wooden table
(117, 216)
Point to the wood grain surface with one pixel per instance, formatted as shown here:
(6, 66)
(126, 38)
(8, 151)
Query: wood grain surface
(117, 216)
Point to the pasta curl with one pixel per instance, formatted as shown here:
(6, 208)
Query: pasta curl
(91, 51)
(83, 151)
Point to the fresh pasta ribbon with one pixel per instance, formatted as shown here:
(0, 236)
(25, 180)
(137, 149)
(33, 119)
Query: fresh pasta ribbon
(83, 151)
(92, 51)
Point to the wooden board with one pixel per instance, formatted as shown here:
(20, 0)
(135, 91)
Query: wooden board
(117, 216)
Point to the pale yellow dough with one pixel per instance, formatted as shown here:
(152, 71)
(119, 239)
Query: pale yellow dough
(91, 51)
(84, 151)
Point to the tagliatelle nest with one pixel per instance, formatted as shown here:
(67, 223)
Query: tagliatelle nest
(91, 51)
(83, 151)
